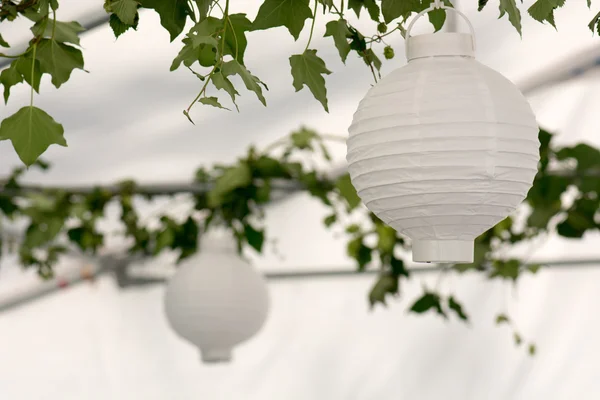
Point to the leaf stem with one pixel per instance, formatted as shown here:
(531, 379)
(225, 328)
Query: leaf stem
(32, 76)
(53, 23)
(312, 25)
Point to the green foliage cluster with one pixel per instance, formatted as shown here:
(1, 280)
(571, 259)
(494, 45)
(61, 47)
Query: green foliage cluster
(213, 48)
(564, 199)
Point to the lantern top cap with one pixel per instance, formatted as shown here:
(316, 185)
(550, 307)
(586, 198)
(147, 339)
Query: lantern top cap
(440, 45)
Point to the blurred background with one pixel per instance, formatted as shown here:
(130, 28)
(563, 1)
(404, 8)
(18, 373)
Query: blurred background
(101, 339)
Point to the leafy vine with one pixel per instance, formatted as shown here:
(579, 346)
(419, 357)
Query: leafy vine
(213, 48)
(564, 200)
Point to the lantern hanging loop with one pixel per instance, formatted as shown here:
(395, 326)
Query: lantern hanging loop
(438, 5)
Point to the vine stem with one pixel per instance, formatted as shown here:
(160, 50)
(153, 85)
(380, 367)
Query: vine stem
(32, 78)
(312, 26)
(53, 23)
(203, 90)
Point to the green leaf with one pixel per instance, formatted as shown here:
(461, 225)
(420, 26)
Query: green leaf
(427, 302)
(347, 191)
(360, 252)
(38, 234)
(392, 9)
(173, 14)
(303, 138)
(543, 10)
(31, 131)
(255, 237)
(437, 17)
(64, 32)
(289, 13)
(385, 285)
(587, 157)
(235, 36)
(540, 216)
(370, 5)
(457, 308)
(188, 54)
(534, 268)
(518, 339)
(233, 178)
(398, 267)
(481, 4)
(386, 238)
(330, 220)
(9, 77)
(58, 60)
(514, 15)
(212, 101)
(86, 237)
(24, 66)
(233, 67)
(308, 69)
(506, 269)
(353, 228)
(531, 349)
(502, 319)
(203, 7)
(340, 33)
(164, 239)
(3, 42)
(119, 27)
(594, 24)
(222, 82)
(125, 10)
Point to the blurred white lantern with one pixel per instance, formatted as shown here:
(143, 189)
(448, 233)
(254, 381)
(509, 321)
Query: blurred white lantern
(216, 300)
(443, 148)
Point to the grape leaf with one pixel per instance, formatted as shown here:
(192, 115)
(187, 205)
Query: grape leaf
(543, 10)
(370, 5)
(254, 237)
(514, 15)
(289, 13)
(392, 9)
(307, 69)
(386, 284)
(252, 82)
(24, 67)
(64, 32)
(58, 60)
(173, 14)
(340, 33)
(9, 78)
(235, 36)
(3, 42)
(119, 27)
(124, 9)
(594, 24)
(457, 308)
(222, 82)
(212, 101)
(347, 191)
(427, 302)
(31, 130)
(203, 7)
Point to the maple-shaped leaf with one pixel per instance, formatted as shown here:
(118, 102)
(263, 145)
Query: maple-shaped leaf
(31, 131)
(173, 14)
(340, 33)
(514, 15)
(308, 69)
(289, 13)
(58, 60)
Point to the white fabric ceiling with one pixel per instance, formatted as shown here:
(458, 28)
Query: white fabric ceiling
(124, 120)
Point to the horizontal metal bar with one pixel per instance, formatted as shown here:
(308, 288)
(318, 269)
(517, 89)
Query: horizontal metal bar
(47, 288)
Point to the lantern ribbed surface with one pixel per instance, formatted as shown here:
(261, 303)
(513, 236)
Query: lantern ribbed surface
(216, 300)
(443, 148)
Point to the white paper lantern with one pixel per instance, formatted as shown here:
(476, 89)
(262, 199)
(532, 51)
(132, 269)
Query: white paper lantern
(216, 300)
(443, 148)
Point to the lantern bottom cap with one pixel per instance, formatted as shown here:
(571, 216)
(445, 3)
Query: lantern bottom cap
(443, 251)
(214, 356)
